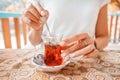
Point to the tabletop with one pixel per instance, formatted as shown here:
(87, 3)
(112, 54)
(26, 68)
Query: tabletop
(16, 64)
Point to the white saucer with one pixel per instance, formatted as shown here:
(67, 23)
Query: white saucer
(39, 62)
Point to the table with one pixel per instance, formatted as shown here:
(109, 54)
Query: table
(16, 64)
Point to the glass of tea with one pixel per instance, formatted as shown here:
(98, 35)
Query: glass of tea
(52, 54)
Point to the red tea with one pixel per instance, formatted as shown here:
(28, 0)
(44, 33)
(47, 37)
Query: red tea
(53, 55)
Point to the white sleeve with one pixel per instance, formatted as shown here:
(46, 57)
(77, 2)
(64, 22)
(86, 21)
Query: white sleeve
(103, 2)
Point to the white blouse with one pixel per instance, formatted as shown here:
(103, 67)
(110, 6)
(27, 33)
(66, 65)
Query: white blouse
(71, 17)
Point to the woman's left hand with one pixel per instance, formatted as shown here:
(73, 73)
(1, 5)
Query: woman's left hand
(79, 45)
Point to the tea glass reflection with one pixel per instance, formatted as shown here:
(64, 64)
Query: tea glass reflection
(52, 54)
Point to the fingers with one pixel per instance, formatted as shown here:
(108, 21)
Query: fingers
(66, 46)
(34, 11)
(92, 54)
(37, 5)
(26, 20)
(79, 37)
(30, 23)
(31, 16)
(77, 45)
(39, 8)
(83, 51)
(88, 41)
(36, 26)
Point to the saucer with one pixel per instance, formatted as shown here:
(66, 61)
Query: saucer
(38, 61)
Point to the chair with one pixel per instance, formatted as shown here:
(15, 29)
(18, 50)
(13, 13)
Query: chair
(6, 19)
(114, 27)
(114, 32)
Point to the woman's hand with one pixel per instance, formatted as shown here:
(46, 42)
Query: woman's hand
(33, 18)
(33, 15)
(78, 45)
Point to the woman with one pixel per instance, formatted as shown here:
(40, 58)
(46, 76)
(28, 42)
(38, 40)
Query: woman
(83, 24)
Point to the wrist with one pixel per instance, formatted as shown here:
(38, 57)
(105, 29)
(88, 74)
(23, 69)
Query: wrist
(37, 31)
(35, 36)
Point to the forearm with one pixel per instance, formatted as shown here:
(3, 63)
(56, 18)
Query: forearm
(35, 37)
(101, 42)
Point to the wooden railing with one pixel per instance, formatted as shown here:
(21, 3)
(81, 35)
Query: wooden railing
(6, 18)
(114, 27)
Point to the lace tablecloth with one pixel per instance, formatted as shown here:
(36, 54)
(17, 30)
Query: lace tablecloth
(16, 65)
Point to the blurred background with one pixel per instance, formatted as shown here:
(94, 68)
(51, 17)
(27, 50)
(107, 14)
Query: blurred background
(12, 5)
(114, 6)
(11, 8)
(17, 7)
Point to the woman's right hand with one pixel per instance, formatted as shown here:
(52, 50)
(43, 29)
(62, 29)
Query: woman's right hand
(33, 16)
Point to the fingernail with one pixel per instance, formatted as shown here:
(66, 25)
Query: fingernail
(43, 13)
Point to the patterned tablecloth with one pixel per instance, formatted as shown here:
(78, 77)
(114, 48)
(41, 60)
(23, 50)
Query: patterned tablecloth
(16, 65)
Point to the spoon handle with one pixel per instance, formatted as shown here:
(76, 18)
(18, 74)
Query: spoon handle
(45, 21)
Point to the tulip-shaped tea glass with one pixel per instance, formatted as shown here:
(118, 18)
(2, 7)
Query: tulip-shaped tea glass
(52, 54)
